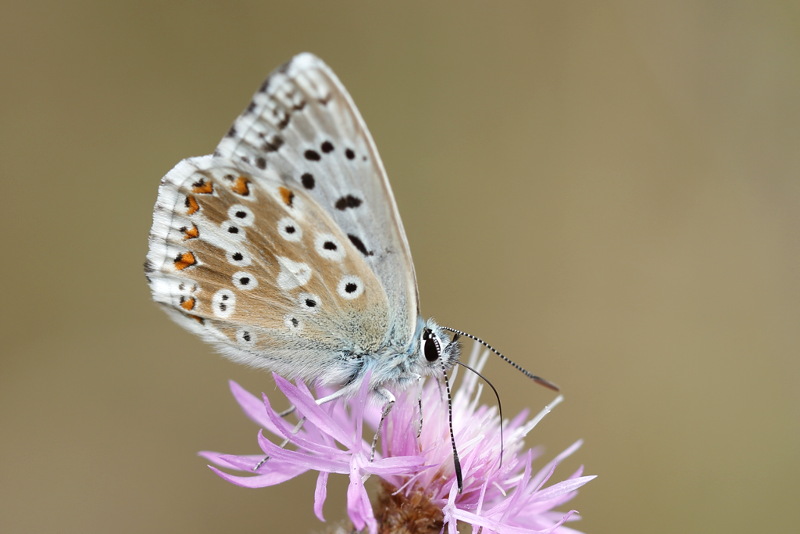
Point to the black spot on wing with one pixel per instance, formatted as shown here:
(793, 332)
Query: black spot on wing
(308, 180)
(348, 201)
(283, 118)
(272, 144)
(356, 241)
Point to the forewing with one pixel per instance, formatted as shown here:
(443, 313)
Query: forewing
(303, 125)
(258, 268)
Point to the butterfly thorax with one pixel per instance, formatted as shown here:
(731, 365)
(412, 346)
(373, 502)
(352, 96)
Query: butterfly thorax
(430, 352)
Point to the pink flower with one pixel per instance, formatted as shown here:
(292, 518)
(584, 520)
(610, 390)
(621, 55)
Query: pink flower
(418, 477)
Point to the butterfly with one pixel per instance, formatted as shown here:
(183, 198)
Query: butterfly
(285, 249)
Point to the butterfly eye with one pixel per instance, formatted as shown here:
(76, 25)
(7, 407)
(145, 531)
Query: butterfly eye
(430, 347)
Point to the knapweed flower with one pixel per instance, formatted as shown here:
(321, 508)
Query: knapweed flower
(418, 487)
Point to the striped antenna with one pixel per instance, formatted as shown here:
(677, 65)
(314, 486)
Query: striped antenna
(539, 380)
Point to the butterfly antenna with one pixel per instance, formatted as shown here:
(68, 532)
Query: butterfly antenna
(499, 407)
(539, 380)
(456, 461)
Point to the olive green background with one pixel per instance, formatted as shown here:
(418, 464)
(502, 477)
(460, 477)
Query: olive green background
(608, 192)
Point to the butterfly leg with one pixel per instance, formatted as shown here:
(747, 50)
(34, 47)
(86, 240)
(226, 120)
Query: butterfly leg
(288, 411)
(389, 400)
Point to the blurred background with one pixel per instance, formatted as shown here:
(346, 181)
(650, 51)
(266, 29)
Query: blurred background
(608, 193)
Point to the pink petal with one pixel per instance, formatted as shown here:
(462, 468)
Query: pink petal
(224, 460)
(307, 406)
(359, 508)
(560, 522)
(398, 465)
(334, 461)
(261, 481)
(252, 406)
(561, 488)
(546, 472)
(233, 461)
(320, 493)
(359, 405)
(315, 442)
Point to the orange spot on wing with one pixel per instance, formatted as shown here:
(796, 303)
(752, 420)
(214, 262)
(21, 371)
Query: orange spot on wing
(191, 205)
(184, 260)
(196, 318)
(202, 187)
(286, 195)
(190, 233)
(241, 186)
(188, 303)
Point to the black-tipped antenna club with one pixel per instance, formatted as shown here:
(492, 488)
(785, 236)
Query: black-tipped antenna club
(539, 380)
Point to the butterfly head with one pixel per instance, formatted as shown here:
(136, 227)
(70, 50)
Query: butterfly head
(437, 349)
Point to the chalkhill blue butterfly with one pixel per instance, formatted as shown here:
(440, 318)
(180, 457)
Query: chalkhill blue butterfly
(285, 249)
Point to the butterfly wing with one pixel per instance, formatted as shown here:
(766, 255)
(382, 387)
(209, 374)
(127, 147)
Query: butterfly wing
(303, 125)
(259, 269)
